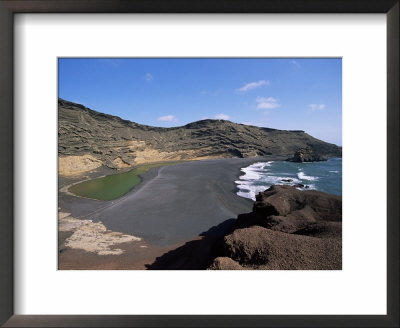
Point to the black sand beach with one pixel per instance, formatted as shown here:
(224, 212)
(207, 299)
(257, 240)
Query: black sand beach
(173, 204)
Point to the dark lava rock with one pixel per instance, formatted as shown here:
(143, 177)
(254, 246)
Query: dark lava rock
(322, 230)
(307, 154)
(287, 209)
(288, 229)
(225, 263)
(260, 248)
(300, 185)
(286, 180)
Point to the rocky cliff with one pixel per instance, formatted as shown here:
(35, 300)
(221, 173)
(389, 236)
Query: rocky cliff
(88, 139)
(288, 229)
(307, 155)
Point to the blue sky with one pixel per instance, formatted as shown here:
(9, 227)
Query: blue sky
(289, 93)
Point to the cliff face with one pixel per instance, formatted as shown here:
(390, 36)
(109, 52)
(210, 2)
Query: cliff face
(307, 155)
(88, 139)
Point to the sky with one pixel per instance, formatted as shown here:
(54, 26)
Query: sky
(285, 93)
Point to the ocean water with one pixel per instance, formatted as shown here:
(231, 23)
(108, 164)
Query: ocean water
(323, 176)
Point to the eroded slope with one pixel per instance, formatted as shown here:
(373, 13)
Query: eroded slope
(89, 139)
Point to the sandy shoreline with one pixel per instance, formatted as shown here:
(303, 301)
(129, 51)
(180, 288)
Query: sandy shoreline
(173, 205)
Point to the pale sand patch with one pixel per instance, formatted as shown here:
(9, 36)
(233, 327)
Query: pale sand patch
(69, 223)
(62, 215)
(76, 165)
(151, 155)
(119, 163)
(92, 237)
(136, 144)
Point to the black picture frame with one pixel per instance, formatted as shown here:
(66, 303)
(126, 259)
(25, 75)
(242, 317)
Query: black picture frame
(10, 7)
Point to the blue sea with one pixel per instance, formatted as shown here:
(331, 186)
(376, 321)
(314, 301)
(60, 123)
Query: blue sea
(323, 176)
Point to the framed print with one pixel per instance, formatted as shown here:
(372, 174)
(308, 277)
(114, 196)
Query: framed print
(118, 113)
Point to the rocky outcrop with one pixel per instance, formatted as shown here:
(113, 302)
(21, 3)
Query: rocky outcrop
(225, 263)
(288, 229)
(307, 155)
(264, 249)
(118, 143)
(287, 209)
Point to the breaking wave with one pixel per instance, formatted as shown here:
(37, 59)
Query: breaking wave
(324, 176)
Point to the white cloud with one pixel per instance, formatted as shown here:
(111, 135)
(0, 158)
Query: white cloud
(167, 118)
(253, 85)
(222, 117)
(317, 106)
(295, 63)
(267, 103)
(148, 77)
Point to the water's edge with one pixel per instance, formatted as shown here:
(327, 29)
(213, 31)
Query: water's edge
(323, 176)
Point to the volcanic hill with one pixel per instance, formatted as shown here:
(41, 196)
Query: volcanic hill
(88, 139)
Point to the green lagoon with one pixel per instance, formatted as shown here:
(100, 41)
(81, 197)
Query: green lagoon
(113, 186)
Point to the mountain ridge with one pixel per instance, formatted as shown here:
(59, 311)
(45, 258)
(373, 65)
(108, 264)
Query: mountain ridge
(89, 139)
